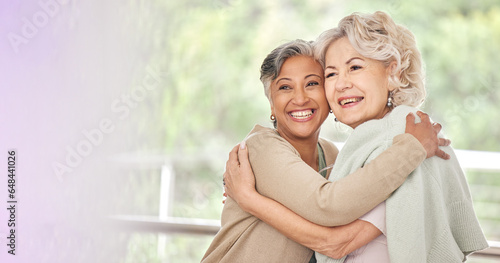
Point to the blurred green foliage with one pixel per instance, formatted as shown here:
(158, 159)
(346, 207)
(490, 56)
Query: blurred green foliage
(210, 53)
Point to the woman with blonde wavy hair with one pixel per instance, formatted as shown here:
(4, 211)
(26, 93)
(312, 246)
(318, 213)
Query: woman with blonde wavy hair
(373, 80)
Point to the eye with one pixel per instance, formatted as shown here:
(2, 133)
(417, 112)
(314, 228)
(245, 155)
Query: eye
(284, 87)
(355, 67)
(331, 74)
(313, 83)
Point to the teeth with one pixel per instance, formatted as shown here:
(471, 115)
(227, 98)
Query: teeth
(301, 114)
(344, 102)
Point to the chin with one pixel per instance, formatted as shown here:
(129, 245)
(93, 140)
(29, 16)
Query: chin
(306, 133)
(348, 122)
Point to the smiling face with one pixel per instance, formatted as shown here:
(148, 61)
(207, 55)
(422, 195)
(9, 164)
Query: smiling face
(298, 99)
(356, 87)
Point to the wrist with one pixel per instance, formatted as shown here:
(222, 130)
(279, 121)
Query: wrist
(411, 143)
(247, 201)
(335, 242)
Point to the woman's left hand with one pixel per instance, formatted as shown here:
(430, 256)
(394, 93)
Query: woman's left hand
(239, 180)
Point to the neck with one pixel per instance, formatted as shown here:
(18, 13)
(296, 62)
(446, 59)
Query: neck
(307, 148)
(384, 113)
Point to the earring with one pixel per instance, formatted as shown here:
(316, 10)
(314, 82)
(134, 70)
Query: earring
(272, 117)
(389, 100)
(331, 111)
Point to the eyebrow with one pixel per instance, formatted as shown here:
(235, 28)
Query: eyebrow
(283, 79)
(353, 58)
(312, 75)
(347, 62)
(289, 79)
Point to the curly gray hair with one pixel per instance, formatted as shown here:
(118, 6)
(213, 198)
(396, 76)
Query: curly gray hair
(272, 64)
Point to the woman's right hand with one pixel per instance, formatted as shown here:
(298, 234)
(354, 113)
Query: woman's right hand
(427, 134)
(239, 180)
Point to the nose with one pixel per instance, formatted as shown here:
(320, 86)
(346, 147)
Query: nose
(343, 82)
(300, 97)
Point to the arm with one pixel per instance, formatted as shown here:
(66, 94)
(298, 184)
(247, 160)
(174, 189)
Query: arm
(293, 183)
(297, 186)
(335, 242)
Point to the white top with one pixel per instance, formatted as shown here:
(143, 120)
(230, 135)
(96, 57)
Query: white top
(376, 251)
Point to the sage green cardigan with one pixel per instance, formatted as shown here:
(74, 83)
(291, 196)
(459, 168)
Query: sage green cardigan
(430, 218)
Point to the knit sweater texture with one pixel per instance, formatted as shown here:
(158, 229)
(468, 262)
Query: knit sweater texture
(430, 218)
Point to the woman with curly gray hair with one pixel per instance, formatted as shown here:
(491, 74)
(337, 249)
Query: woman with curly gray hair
(373, 80)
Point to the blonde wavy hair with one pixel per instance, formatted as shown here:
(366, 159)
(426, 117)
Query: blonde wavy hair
(377, 36)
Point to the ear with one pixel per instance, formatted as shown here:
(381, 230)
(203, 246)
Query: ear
(392, 69)
(393, 72)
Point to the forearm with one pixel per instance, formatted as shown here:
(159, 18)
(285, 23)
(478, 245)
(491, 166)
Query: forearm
(347, 238)
(335, 242)
(291, 182)
(286, 221)
(347, 199)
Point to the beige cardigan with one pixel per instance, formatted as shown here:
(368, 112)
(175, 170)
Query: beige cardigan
(282, 175)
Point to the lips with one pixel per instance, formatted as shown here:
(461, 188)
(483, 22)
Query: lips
(344, 101)
(302, 114)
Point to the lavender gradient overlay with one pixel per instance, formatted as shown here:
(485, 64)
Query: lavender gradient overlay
(57, 87)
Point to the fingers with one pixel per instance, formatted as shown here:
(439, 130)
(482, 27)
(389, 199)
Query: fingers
(427, 134)
(410, 120)
(233, 158)
(225, 196)
(233, 155)
(243, 155)
(225, 177)
(444, 142)
(238, 172)
(225, 180)
(437, 127)
(423, 117)
(224, 188)
(441, 154)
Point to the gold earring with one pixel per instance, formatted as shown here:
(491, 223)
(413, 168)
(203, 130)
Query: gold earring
(272, 117)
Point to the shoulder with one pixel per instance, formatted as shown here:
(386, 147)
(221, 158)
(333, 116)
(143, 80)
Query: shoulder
(388, 127)
(261, 131)
(268, 151)
(398, 115)
(263, 138)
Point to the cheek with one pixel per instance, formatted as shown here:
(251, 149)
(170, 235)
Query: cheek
(382, 97)
(276, 102)
(330, 92)
(323, 103)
